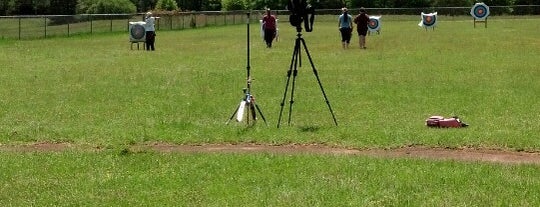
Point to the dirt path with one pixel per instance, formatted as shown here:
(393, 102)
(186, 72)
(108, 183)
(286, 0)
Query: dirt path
(462, 154)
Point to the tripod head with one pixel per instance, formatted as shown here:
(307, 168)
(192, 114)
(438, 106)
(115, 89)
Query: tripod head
(301, 11)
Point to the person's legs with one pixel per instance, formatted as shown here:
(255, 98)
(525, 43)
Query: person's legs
(363, 40)
(148, 40)
(153, 41)
(349, 35)
(268, 37)
(343, 37)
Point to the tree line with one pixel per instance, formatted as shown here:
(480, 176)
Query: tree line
(71, 7)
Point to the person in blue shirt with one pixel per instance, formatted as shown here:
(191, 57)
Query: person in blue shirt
(345, 25)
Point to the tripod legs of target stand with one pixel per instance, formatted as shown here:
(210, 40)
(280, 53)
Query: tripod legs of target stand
(249, 107)
(293, 70)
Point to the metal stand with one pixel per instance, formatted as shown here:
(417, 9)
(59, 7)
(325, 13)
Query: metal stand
(481, 21)
(293, 70)
(248, 103)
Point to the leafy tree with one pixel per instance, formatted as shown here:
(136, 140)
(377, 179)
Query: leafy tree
(168, 5)
(230, 5)
(272, 4)
(112, 7)
(453, 3)
(63, 7)
(144, 5)
(211, 5)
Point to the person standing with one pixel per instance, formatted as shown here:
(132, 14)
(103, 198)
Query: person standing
(362, 21)
(345, 27)
(150, 31)
(269, 27)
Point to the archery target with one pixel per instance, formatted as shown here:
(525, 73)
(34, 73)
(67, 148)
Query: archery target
(374, 24)
(137, 33)
(428, 20)
(480, 11)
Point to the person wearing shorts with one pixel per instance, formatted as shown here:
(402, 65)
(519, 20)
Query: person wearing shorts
(362, 21)
(345, 27)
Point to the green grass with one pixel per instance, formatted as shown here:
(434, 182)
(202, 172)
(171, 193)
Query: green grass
(94, 90)
(147, 179)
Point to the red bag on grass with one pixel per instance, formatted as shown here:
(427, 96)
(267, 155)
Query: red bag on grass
(440, 121)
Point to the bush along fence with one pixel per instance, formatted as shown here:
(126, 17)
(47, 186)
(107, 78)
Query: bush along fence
(43, 26)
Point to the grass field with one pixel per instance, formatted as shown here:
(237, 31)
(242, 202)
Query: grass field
(94, 92)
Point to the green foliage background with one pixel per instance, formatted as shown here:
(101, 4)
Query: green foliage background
(68, 7)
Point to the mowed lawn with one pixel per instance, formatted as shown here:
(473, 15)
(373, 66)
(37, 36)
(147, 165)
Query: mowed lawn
(95, 92)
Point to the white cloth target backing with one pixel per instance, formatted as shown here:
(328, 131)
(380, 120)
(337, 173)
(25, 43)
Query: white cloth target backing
(480, 11)
(137, 33)
(428, 20)
(374, 24)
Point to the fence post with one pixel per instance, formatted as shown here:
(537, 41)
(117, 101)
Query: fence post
(19, 27)
(91, 24)
(111, 18)
(45, 25)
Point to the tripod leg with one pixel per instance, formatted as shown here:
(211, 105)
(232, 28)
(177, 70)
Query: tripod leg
(253, 112)
(260, 112)
(232, 116)
(289, 72)
(297, 61)
(319, 81)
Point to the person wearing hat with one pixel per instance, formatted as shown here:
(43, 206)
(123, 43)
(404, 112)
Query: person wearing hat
(269, 28)
(345, 27)
(362, 21)
(150, 31)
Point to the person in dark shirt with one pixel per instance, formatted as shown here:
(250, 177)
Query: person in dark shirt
(269, 27)
(362, 21)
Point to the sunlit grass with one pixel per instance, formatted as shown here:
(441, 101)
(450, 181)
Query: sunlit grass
(92, 90)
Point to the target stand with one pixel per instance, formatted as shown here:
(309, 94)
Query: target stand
(132, 42)
(480, 21)
(480, 13)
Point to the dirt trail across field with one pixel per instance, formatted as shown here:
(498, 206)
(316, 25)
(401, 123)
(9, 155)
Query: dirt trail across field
(418, 152)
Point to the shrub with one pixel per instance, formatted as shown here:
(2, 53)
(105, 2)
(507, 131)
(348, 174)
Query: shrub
(167, 5)
(231, 5)
(111, 7)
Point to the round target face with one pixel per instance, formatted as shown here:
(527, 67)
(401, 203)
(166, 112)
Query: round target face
(137, 31)
(480, 11)
(429, 21)
(373, 23)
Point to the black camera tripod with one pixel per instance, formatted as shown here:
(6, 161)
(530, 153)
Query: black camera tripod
(293, 70)
(248, 103)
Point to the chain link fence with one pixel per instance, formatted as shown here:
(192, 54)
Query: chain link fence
(43, 26)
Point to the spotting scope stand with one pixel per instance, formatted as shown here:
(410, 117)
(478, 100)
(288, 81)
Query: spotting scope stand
(248, 103)
(293, 70)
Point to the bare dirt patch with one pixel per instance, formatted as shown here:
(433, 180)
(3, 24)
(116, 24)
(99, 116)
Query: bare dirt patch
(413, 152)
(459, 154)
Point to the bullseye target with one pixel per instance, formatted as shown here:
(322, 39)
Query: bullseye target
(480, 11)
(374, 24)
(428, 20)
(137, 33)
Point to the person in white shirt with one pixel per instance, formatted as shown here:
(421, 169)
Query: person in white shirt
(150, 31)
